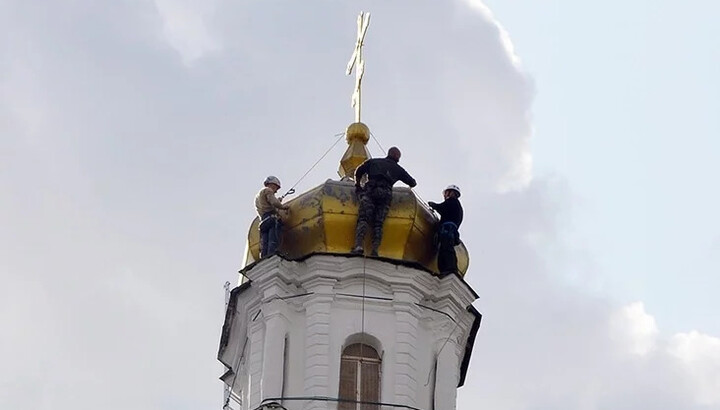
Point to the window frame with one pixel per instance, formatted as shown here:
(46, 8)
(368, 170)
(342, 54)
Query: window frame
(359, 362)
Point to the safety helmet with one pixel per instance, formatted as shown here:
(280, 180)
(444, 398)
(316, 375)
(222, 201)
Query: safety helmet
(453, 188)
(272, 180)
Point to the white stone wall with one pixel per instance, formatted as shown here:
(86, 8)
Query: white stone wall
(409, 318)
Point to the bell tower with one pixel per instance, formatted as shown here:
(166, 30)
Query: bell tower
(316, 327)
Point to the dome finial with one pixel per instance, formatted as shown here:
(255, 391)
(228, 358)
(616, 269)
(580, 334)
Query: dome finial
(357, 134)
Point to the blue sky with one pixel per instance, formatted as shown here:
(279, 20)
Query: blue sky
(134, 136)
(626, 113)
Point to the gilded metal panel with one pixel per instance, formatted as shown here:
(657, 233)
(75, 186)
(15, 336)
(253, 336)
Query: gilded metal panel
(324, 218)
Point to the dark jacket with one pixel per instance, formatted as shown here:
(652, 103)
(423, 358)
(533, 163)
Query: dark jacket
(383, 169)
(450, 210)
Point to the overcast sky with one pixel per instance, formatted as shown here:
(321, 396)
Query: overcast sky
(134, 135)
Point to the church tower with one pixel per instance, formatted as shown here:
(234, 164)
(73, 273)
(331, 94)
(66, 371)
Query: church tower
(316, 327)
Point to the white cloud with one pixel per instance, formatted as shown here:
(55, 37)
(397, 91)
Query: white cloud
(493, 98)
(700, 357)
(543, 345)
(504, 35)
(634, 329)
(185, 27)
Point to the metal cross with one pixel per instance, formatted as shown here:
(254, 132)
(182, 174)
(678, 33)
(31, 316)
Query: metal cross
(357, 61)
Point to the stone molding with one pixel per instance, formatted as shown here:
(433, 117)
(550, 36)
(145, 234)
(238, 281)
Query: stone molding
(411, 313)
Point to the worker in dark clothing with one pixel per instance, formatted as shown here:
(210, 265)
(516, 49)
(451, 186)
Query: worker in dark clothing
(376, 195)
(451, 216)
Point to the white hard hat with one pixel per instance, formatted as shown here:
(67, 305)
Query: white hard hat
(453, 188)
(271, 180)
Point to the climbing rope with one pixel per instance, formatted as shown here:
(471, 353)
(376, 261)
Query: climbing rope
(383, 151)
(362, 320)
(443, 346)
(226, 404)
(292, 188)
(420, 198)
(378, 143)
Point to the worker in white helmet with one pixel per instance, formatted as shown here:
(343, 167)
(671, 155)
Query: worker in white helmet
(451, 216)
(267, 206)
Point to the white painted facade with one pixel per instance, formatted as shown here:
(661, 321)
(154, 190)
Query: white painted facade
(285, 331)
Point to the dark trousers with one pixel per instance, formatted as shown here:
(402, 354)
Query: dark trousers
(374, 205)
(448, 237)
(270, 226)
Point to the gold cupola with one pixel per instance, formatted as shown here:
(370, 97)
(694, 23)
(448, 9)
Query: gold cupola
(322, 220)
(357, 137)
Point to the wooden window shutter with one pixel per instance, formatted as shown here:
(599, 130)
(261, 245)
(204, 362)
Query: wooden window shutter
(359, 377)
(348, 384)
(370, 384)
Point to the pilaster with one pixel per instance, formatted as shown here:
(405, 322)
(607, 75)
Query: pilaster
(255, 361)
(447, 375)
(317, 339)
(406, 333)
(276, 326)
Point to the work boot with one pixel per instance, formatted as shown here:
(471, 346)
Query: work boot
(374, 253)
(358, 250)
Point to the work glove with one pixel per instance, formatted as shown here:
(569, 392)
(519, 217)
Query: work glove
(432, 205)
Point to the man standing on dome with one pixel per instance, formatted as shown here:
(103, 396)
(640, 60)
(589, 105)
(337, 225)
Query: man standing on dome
(451, 216)
(267, 206)
(376, 195)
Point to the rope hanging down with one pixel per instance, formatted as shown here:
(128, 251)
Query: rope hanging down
(362, 318)
(383, 153)
(292, 188)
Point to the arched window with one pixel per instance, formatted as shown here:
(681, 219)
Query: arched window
(359, 377)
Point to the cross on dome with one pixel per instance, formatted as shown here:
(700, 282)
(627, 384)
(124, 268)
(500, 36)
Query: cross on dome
(356, 61)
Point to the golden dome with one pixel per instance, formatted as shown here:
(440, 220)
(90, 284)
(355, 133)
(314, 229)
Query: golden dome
(357, 131)
(357, 136)
(323, 220)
